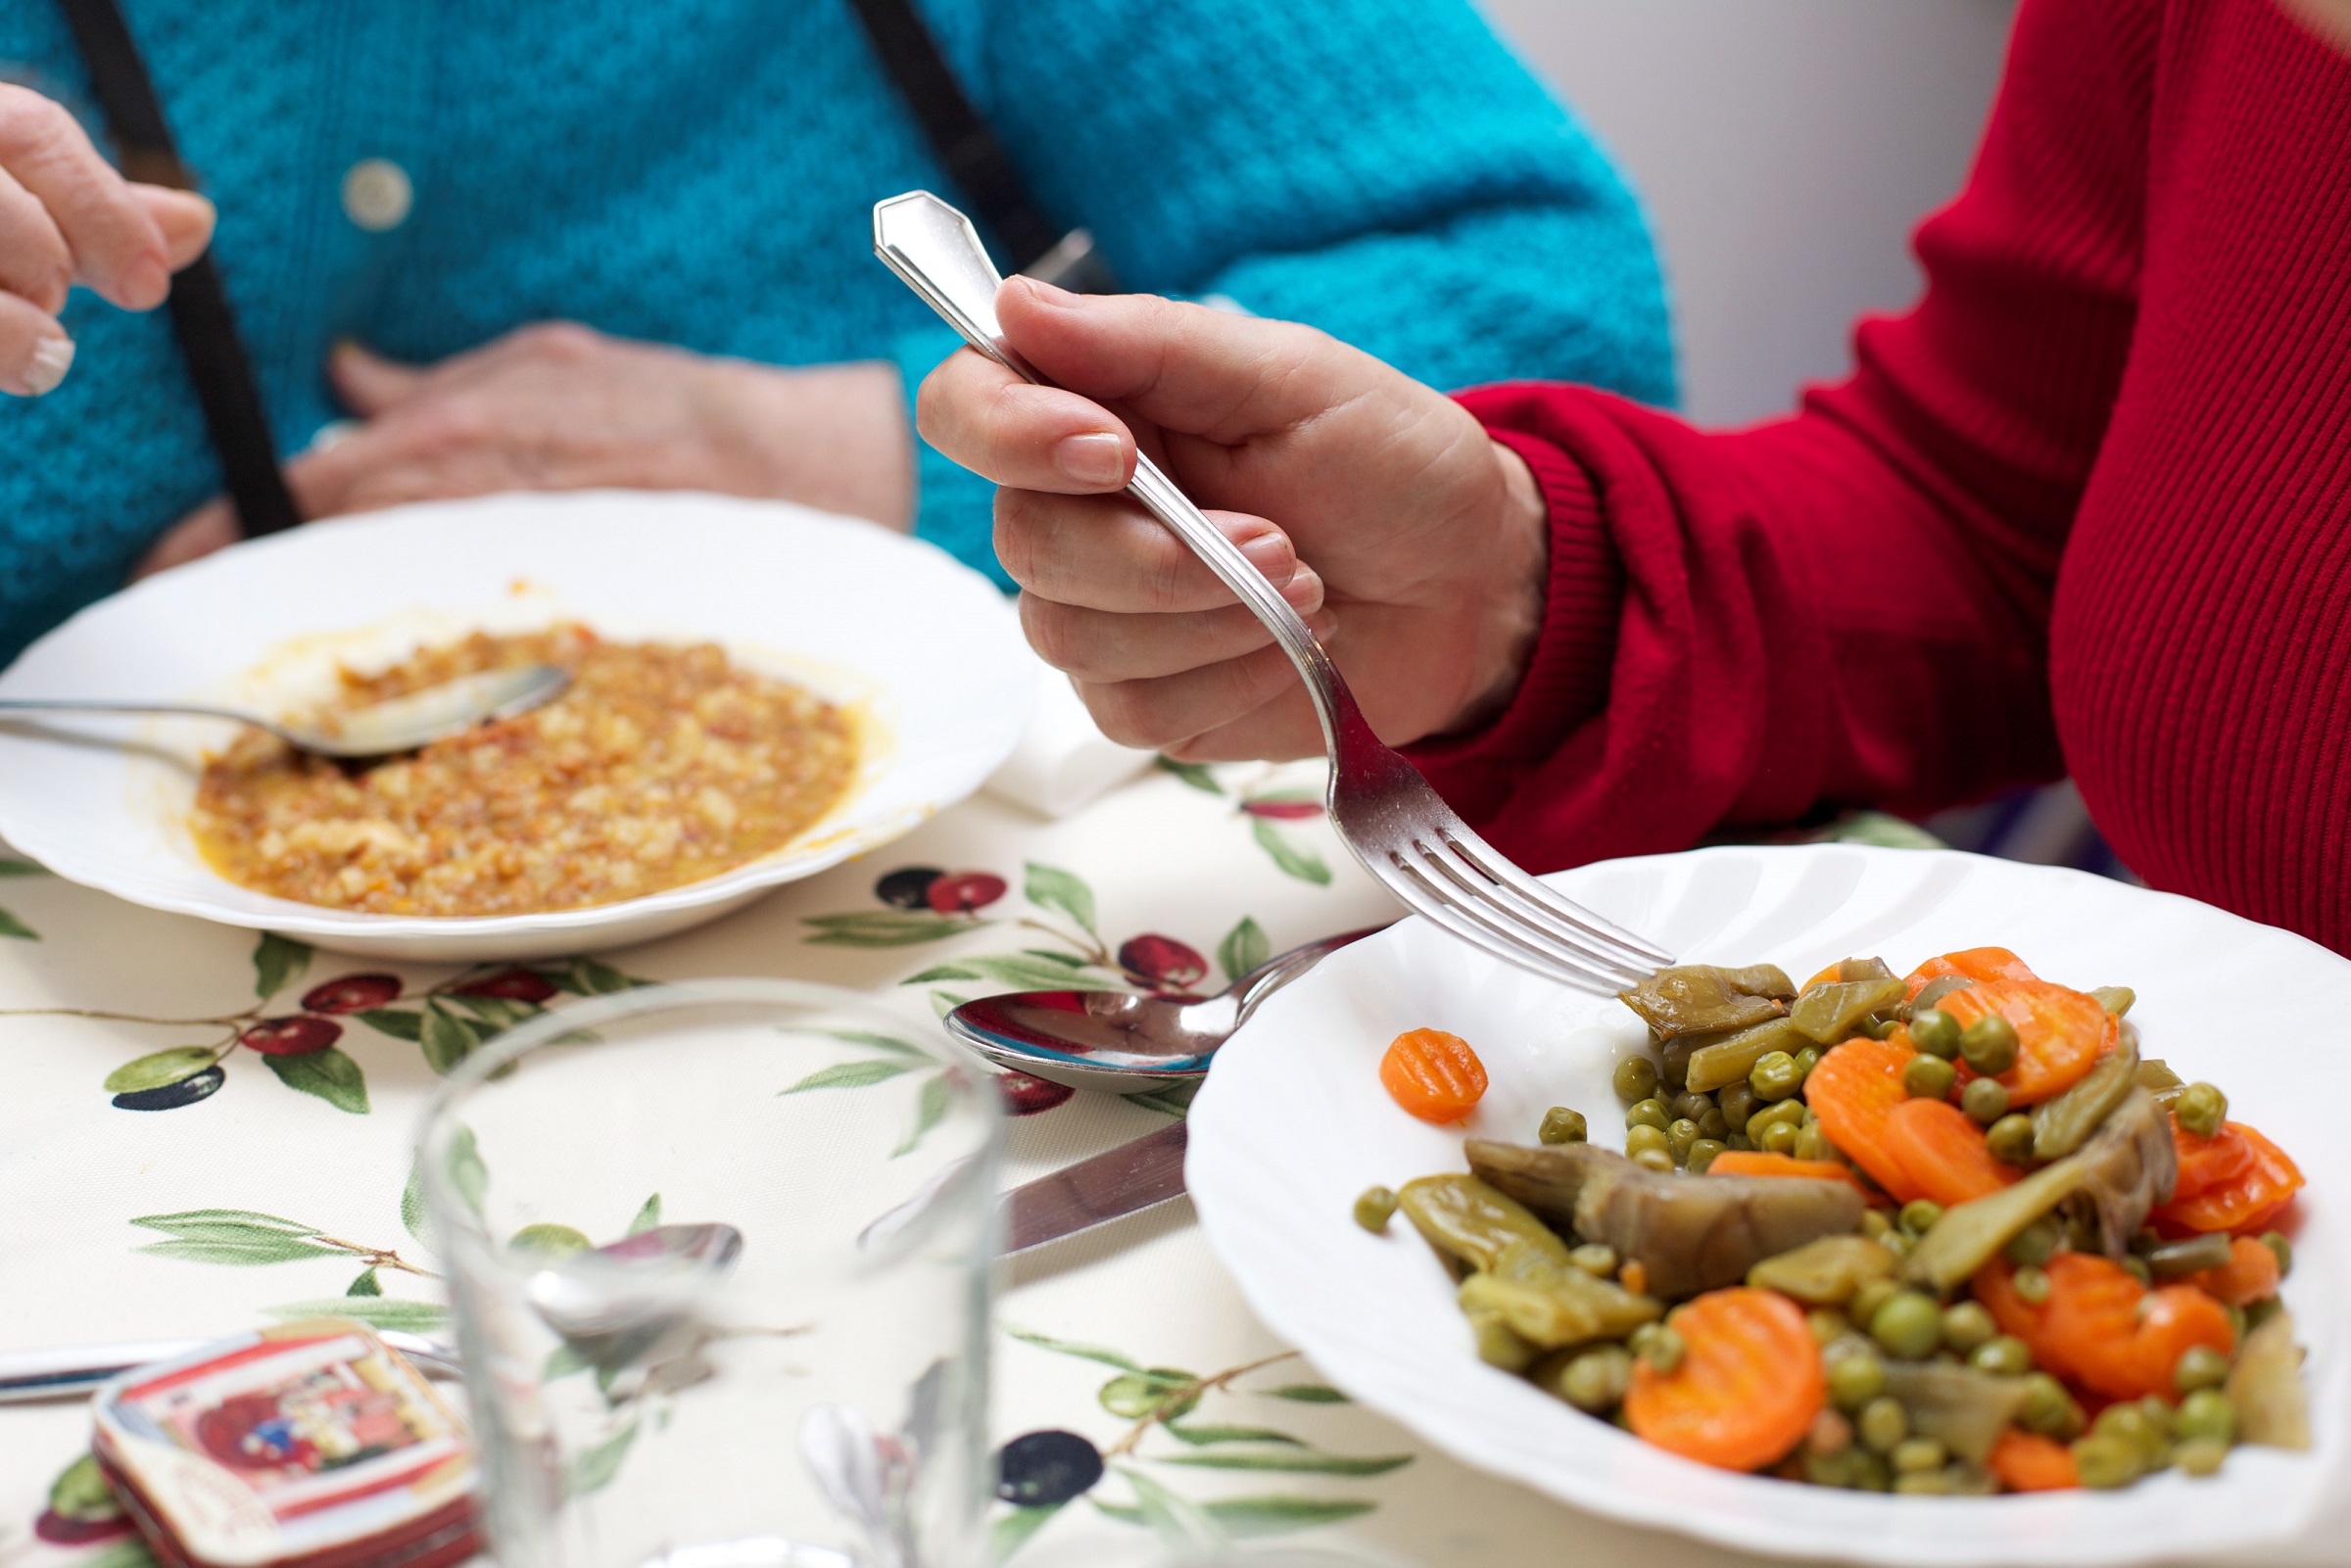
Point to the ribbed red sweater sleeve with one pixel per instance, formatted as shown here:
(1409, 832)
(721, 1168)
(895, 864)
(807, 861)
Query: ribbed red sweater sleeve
(2086, 508)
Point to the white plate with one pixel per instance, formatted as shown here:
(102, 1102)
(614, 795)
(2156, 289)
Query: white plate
(1293, 1123)
(925, 651)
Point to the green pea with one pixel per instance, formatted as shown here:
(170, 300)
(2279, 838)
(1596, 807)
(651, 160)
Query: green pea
(2260, 1313)
(2283, 1249)
(2131, 1423)
(1792, 1112)
(2208, 1414)
(1649, 1113)
(1691, 1104)
(1929, 1078)
(1653, 1158)
(1775, 1076)
(2105, 1464)
(1636, 1078)
(1917, 1456)
(1874, 1223)
(1595, 1380)
(1680, 1136)
(1703, 1154)
(1596, 1259)
(1934, 1032)
(1779, 1138)
(2115, 999)
(1828, 1326)
(1919, 1214)
(2011, 1139)
(1984, 1100)
(1900, 1243)
(1715, 1125)
(2037, 1242)
(2050, 1409)
(1673, 1063)
(1737, 1102)
(1966, 1326)
(2201, 1109)
(1923, 1484)
(1851, 1468)
(1910, 1325)
(1642, 1135)
(1813, 1144)
(1855, 1380)
(1989, 1045)
(2200, 1367)
(1878, 1028)
(1805, 1061)
(1375, 1208)
(1661, 1345)
(1883, 1424)
(1870, 1297)
(2002, 1355)
(2201, 1456)
(1562, 1125)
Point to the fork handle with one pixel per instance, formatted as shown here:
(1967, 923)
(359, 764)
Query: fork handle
(936, 252)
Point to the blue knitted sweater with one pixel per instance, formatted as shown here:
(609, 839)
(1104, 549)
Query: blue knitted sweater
(699, 171)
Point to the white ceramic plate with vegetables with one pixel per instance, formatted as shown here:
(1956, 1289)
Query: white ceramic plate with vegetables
(2009, 1335)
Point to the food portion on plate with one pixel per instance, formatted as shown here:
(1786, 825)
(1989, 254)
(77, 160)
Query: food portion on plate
(660, 766)
(1949, 1234)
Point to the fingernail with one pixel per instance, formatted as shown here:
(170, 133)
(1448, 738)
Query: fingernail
(51, 359)
(1323, 624)
(144, 284)
(1097, 458)
(1304, 590)
(1270, 555)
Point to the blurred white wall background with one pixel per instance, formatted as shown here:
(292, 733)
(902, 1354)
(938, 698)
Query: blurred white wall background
(1785, 148)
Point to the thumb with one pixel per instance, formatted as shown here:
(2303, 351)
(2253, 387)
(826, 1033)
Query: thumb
(1186, 368)
(185, 218)
(367, 383)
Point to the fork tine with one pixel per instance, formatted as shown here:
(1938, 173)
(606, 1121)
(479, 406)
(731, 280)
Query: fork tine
(1468, 885)
(1468, 907)
(1417, 890)
(1509, 878)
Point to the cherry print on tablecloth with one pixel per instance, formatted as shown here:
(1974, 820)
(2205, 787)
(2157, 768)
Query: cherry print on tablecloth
(1263, 807)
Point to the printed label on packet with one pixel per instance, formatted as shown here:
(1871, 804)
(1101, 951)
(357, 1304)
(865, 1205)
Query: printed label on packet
(311, 1442)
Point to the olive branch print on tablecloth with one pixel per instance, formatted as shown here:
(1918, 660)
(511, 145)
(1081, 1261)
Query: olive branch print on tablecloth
(928, 905)
(1041, 1472)
(448, 1022)
(1265, 808)
(10, 926)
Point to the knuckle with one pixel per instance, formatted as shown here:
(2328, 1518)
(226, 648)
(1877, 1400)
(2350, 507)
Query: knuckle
(1123, 711)
(565, 342)
(30, 123)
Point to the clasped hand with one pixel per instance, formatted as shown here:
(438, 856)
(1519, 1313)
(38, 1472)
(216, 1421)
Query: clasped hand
(1413, 545)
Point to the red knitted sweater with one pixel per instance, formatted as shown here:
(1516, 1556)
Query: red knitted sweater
(2086, 508)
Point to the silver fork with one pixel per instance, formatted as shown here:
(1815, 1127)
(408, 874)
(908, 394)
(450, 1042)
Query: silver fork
(1398, 826)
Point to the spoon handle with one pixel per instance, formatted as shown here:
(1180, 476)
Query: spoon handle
(194, 710)
(1282, 968)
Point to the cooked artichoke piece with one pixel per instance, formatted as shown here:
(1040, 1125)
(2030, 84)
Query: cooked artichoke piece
(1958, 1406)
(1733, 1057)
(1828, 1012)
(1568, 1307)
(1463, 1216)
(1972, 1234)
(1866, 969)
(1825, 1272)
(2128, 1166)
(1688, 1233)
(1497, 1344)
(2062, 1124)
(2272, 1409)
(1702, 999)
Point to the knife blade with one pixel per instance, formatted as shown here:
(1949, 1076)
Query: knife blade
(1129, 1178)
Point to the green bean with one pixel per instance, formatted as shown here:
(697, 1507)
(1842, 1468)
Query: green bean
(2064, 1123)
(1855, 1380)
(2201, 1109)
(2002, 1355)
(1919, 1214)
(1827, 1271)
(2010, 1139)
(1935, 1032)
(1929, 1078)
(1989, 1045)
(2200, 1367)
(1909, 1325)
(1984, 1100)
(1649, 1113)
(2115, 999)
(1562, 1125)
(1966, 1326)
(2282, 1248)
(1882, 1425)
(1375, 1208)
(2205, 1413)
(1463, 1216)
(1775, 1075)
(1564, 1307)
(1972, 1234)
(1636, 1078)
(1704, 1154)
(2050, 1409)
(2273, 1407)
(1936, 989)
(1828, 1012)
(2177, 1259)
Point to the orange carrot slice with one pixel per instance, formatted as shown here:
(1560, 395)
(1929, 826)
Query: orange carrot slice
(2060, 1033)
(2250, 1275)
(2247, 1203)
(1433, 1075)
(1763, 1162)
(1944, 1153)
(2103, 1329)
(2026, 1461)
(1853, 1091)
(1974, 963)
(1749, 1388)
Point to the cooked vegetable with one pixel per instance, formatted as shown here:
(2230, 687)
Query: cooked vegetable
(1776, 1076)
(1964, 1410)
(2049, 1410)
(2265, 1388)
(1649, 1113)
(1973, 964)
(1907, 1325)
(2159, 1080)
(1704, 1154)
(1829, 1012)
(2201, 1109)
(1985, 1101)
(2127, 1168)
(2115, 999)
(2064, 1123)
(1729, 1060)
(2002, 1355)
(1687, 1235)
(1660, 1345)
(1967, 1328)
(1932, 993)
(1496, 1344)
(1558, 1306)
(2247, 1203)
(1853, 1091)
(1635, 1079)
(1989, 1045)
(1935, 1032)
(2198, 1255)
(2280, 1249)
(1374, 1208)
(1928, 1077)
(1594, 1380)
(1884, 1425)
(2206, 1162)
(2026, 1461)
(2200, 1367)
(1702, 999)
(1944, 1153)
(1562, 1125)
(2060, 1033)
(1974, 1233)
(2103, 1329)
(2009, 1139)
(1463, 1217)
(1748, 1387)
(1433, 1075)
(1825, 1272)
(1763, 1162)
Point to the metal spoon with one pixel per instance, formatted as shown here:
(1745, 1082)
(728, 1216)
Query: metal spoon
(402, 723)
(1118, 1041)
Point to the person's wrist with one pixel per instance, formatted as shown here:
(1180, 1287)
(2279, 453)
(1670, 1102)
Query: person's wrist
(832, 436)
(1506, 609)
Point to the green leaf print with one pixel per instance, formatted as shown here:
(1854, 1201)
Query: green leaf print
(162, 1068)
(649, 1215)
(548, 1239)
(1306, 1463)
(1195, 774)
(929, 1110)
(466, 1172)
(1202, 1435)
(276, 960)
(1243, 949)
(10, 926)
(1162, 1393)
(878, 1042)
(1295, 859)
(1305, 1394)
(448, 1039)
(884, 927)
(1173, 1518)
(366, 1285)
(327, 1074)
(1085, 1352)
(1278, 1515)
(1012, 1532)
(1019, 971)
(594, 1468)
(240, 1243)
(412, 1201)
(397, 1023)
(1051, 887)
(849, 1075)
(1169, 1099)
(80, 1493)
(22, 867)
(587, 977)
(376, 1311)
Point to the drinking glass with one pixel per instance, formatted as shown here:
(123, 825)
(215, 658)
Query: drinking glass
(721, 1254)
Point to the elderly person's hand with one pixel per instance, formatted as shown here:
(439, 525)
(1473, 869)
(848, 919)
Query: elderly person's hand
(1410, 539)
(67, 217)
(559, 406)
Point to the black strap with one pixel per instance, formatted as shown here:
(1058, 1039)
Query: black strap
(972, 157)
(200, 312)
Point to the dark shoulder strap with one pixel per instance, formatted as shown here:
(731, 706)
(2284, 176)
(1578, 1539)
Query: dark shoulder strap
(200, 312)
(965, 145)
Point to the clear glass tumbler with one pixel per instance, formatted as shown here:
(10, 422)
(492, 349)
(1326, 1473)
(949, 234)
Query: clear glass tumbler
(721, 1254)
